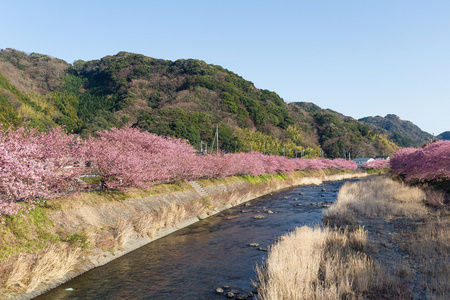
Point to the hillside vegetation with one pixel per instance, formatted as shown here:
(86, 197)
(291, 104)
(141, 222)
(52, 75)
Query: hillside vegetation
(402, 132)
(186, 98)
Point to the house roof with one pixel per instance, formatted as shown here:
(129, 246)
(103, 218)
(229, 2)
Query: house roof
(363, 159)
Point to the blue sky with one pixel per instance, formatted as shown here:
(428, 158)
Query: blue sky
(360, 58)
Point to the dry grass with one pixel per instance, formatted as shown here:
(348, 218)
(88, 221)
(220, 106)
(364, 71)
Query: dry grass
(418, 223)
(320, 264)
(30, 270)
(429, 244)
(378, 197)
(407, 255)
(143, 224)
(122, 232)
(435, 199)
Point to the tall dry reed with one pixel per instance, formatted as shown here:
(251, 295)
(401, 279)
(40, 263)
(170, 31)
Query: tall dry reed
(377, 197)
(315, 263)
(30, 270)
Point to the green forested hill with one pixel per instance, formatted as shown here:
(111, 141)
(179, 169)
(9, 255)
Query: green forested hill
(340, 135)
(404, 133)
(444, 136)
(185, 98)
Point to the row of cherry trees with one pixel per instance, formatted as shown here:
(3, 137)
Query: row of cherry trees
(377, 164)
(431, 163)
(36, 165)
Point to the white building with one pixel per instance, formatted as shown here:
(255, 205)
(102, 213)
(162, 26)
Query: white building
(361, 161)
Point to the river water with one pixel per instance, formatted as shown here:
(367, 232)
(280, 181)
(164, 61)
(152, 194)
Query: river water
(192, 262)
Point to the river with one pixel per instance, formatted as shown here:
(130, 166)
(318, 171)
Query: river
(192, 262)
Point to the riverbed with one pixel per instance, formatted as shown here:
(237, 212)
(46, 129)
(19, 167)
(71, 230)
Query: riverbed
(215, 252)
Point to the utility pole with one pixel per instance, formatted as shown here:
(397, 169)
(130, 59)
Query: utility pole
(217, 139)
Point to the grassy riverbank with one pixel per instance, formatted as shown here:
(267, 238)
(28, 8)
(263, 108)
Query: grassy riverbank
(67, 237)
(385, 240)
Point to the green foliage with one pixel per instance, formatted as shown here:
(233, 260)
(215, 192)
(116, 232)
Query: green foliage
(21, 97)
(80, 239)
(8, 115)
(178, 123)
(187, 99)
(340, 135)
(404, 133)
(67, 103)
(444, 136)
(27, 233)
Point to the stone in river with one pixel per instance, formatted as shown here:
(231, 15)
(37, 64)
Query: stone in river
(230, 295)
(270, 212)
(258, 217)
(219, 291)
(254, 245)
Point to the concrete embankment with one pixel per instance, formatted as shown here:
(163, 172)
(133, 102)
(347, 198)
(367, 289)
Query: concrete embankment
(92, 229)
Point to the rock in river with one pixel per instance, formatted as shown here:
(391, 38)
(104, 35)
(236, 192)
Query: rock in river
(258, 217)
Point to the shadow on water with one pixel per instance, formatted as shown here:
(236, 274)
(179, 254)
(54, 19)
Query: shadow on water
(192, 262)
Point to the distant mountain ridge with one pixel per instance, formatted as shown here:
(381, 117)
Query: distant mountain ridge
(186, 98)
(404, 133)
(444, 136)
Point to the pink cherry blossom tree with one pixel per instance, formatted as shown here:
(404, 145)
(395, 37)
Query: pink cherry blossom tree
(35, 165)
(377, 164)
(427, 164)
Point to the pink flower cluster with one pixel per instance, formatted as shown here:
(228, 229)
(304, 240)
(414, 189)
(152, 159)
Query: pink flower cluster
(35, 165)
(377, 164)
(427, 164)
